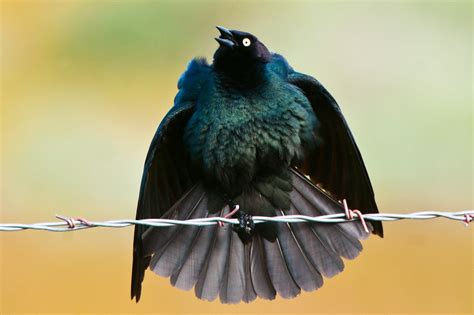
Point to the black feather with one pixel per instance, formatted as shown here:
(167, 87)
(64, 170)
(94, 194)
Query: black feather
(336, 163)
(168, 257)
(305, 275)
(167, 176)
(186, 276)
(278, 270)
(260, 277)
(233, 282)
(249, 292)
(212, 274)
(341, 238)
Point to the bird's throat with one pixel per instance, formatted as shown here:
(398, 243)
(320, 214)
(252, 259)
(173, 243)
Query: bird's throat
(242, 74)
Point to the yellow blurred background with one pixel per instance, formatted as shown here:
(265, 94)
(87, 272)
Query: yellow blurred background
(84, 85)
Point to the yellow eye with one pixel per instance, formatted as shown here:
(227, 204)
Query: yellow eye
(246, 42)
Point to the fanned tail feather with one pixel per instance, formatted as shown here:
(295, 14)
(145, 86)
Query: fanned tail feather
(233, 284)
(249, 294)
(210, 279)
(259, 272)
(186, 276)
(216, 262)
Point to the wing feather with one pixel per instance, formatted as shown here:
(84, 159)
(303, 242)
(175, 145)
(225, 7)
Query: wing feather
(336, 162)
(167, 173)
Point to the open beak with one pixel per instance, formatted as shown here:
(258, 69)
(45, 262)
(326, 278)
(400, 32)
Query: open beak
(226, 39)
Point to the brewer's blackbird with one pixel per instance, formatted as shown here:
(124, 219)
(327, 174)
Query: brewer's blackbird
(248, 135)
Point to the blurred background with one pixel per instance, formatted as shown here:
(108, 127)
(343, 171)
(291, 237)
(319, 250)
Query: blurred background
(84, 85)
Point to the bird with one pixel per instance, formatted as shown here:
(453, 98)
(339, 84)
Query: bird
(248, 135)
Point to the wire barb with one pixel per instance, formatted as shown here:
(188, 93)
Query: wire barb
(71, 222)
(74, 224)
(350, 215)
(468, 217)
(230, 214)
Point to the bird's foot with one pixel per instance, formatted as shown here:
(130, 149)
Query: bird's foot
(246, 224)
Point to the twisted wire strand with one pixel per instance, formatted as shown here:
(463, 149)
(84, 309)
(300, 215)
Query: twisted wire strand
(73, 224)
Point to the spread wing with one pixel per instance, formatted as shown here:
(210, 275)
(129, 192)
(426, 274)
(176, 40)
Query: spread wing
(336, 162)
(167, 173)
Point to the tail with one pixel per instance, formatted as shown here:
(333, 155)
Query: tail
(216, 262)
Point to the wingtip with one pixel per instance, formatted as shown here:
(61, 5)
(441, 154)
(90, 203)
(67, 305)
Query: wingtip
(135, 297)
(378, 229)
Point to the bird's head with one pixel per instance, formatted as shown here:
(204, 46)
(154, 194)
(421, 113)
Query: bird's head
(239, 50)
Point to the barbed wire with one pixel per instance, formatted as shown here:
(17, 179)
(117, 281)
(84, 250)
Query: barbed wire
(73, 224)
